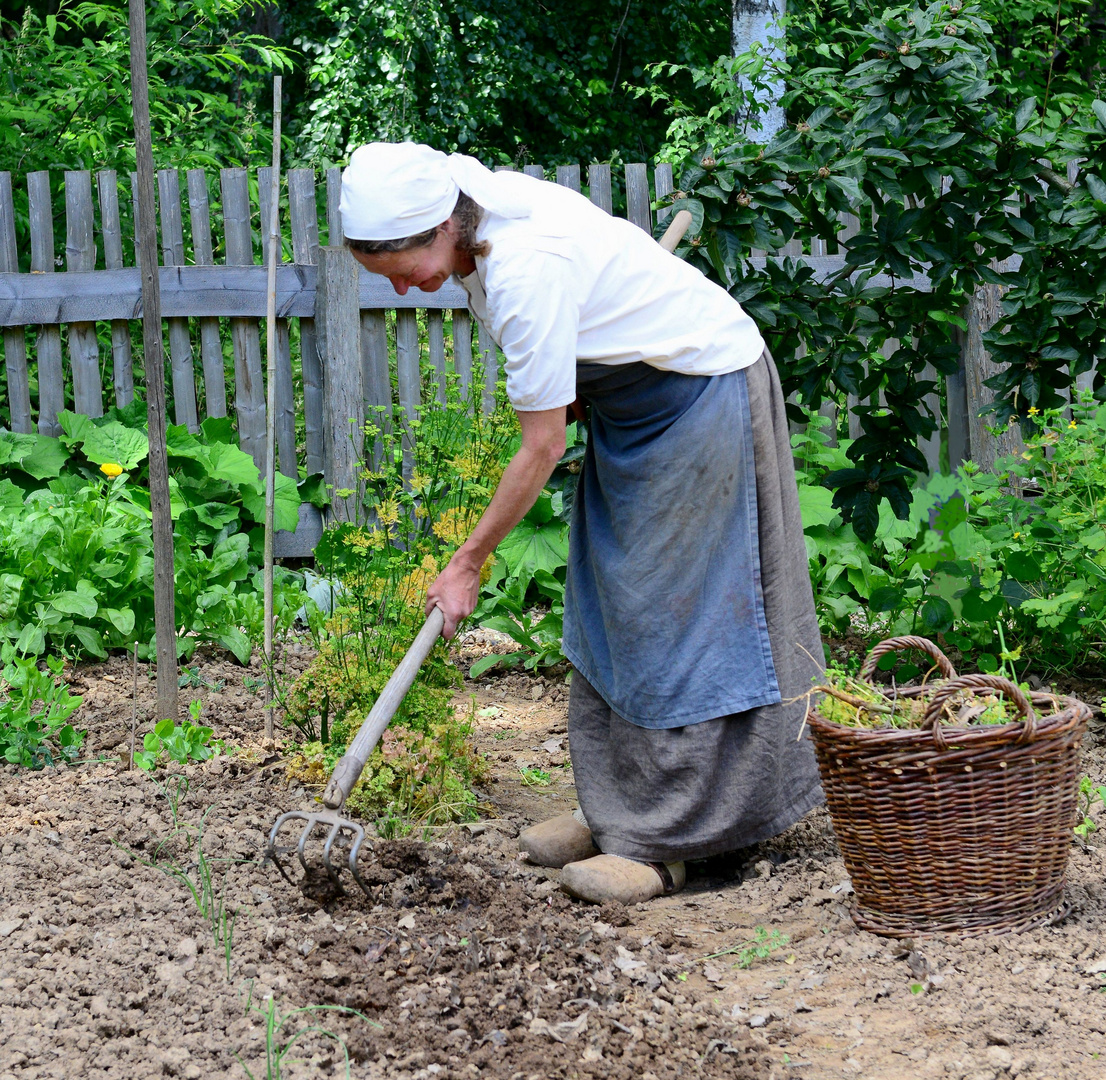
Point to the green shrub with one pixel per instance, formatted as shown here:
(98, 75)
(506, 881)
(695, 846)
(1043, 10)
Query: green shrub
(995, 565)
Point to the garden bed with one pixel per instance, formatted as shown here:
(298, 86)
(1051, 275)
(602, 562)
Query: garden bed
(468, 963)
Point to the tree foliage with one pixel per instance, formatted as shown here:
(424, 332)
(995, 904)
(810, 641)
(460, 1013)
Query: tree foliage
(505, 80)
(65, 100)
(943, 169)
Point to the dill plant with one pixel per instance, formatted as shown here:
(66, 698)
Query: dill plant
(425, 480)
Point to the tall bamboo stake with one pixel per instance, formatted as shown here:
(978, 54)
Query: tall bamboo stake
(154, 361)
(270, 408)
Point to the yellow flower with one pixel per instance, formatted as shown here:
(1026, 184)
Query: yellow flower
(387, 512)
(454, 526)
(411, 588)
(1033, 410)
(1072, 424)
(465, 464)
(1016, 535)
(358, 539)
(109, 468)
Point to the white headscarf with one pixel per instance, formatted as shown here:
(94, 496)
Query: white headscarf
(395, 190)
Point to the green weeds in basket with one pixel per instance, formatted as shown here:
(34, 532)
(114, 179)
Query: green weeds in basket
(856, 703)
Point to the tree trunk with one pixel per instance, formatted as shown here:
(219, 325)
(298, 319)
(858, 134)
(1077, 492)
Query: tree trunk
(758, 21)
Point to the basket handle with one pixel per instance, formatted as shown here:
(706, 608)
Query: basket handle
(1008, 690)
(909, 641)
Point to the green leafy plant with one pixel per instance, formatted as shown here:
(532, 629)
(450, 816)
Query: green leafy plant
(424, 779)
(425, 483)
(532, 776)
(76, 562)
(998, 566)
(1090, 798)
(524, 594)
(410, 778)
(759, 947)
(34, 713)
(181, 743)
(536, 627)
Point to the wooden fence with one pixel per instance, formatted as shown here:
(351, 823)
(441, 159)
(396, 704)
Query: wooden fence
(339, 310)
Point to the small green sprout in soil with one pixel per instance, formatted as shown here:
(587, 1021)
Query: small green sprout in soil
(1090, 797)
(181, 743)
(195, 870)
(532, 776)
(191, 679)
(759, 947)
(277, 1048)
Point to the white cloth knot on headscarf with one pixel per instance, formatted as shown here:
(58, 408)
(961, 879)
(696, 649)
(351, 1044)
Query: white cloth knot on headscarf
(394, 190)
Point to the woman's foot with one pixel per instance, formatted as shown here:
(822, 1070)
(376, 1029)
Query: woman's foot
(563, 839)
(610, 877)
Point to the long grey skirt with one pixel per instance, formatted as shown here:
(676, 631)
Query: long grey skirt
(666, 794)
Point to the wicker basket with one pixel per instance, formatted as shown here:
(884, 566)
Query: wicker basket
(954, 829)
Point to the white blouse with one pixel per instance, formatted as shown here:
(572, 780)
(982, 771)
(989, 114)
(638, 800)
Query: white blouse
(570, 282)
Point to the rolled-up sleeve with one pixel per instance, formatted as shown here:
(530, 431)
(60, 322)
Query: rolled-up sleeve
(534, 314)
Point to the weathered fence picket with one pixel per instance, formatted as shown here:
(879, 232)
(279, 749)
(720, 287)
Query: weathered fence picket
(249, 385)
(180, 343)
(403, 348)
(285, 420)
(343, 397)
(80, 257)
(305, 250)
(51, 378)
(203, 254)
(111, 231)
(15, 344)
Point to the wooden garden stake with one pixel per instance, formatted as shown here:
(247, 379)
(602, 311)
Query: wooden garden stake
(146, 233)
(134, 701)
(270, 408)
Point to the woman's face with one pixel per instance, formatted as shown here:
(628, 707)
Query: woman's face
(425, 268)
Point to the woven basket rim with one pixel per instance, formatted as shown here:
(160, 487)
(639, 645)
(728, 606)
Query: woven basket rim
(1056, 723)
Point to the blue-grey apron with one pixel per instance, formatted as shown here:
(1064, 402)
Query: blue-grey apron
(664, 614)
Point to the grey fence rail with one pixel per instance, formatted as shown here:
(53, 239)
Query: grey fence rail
(342, 313)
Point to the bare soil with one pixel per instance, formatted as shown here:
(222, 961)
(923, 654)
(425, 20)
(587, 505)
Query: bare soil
(465, 962)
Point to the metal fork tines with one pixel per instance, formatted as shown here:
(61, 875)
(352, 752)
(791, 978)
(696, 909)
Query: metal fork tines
(342, 831)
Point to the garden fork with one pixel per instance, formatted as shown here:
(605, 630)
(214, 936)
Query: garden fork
(342, 831)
